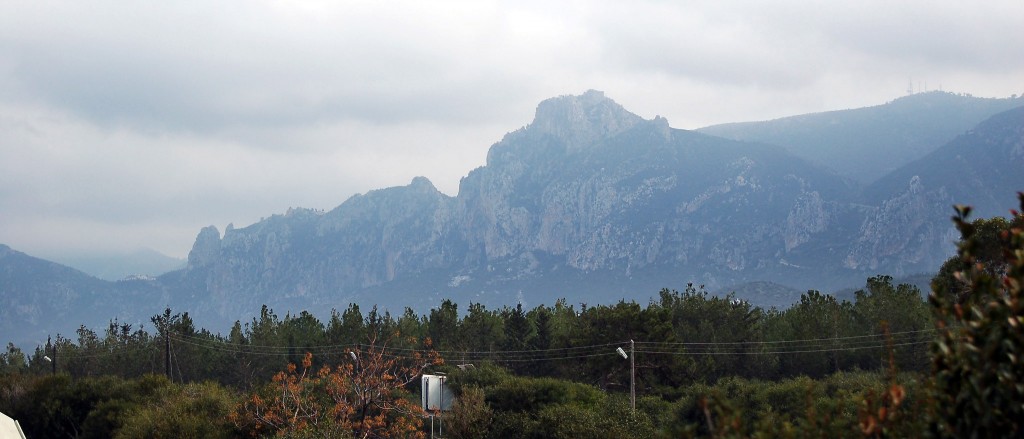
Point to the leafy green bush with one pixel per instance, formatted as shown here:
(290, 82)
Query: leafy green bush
(612, 418)
(532, 394)
(979, 355)
(57, 406)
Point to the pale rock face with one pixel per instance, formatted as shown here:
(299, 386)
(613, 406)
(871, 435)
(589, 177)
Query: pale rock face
(582, 120)
(1017, 149)
(808, 216)
(902, 231)
(206, 249)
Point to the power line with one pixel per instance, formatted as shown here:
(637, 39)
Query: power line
(744, 348)
(344, 347)
(878, 335)
(787, 352)
(780, 347)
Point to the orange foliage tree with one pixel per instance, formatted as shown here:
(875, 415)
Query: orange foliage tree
(365, 398)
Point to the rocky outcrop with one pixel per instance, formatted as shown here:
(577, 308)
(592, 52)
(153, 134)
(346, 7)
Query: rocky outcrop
(903, 235)
(581, 121)
(206, 249)
(809, 216)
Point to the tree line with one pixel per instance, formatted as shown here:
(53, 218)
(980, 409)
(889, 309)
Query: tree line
(680, 338)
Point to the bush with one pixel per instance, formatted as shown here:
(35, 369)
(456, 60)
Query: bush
(470, 416)
(979, 356)
(190, 410)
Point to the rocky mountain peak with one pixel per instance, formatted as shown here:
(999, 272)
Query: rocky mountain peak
(580, 120)
(422, 184)
(206, 248)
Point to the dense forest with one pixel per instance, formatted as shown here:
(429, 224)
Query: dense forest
(893, 362)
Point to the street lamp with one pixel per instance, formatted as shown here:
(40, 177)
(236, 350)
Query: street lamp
(355, 358)
(632, 374)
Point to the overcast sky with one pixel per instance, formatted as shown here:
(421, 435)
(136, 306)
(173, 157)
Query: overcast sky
(132, 124)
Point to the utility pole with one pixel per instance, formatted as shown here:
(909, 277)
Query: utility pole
(53, 361)
(167, 350)
(163, 323)
(632, 372)
(632, 377)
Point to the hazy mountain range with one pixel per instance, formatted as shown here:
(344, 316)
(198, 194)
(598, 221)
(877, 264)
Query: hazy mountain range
(592, 203)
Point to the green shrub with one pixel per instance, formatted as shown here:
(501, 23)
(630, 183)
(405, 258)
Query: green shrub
(979, 355)
(196, 410)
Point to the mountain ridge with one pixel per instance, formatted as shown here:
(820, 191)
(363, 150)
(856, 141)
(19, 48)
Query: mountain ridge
(868, 143)
(590, 203)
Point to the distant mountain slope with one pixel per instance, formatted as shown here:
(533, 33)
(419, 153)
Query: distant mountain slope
(867, 143)
(142, 262)
(39, 298)
(976, 166)
(908, 225)
(33, 290)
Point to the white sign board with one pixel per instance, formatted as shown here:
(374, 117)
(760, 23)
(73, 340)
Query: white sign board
(436, 395)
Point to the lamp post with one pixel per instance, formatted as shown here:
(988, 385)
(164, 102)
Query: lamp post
(52, 361)
(633, 379)
(632, 374)
(355, 358)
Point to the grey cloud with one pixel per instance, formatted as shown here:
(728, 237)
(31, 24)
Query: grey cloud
(202, 76)
(169, 117)
(940, 35)
(773, 45)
